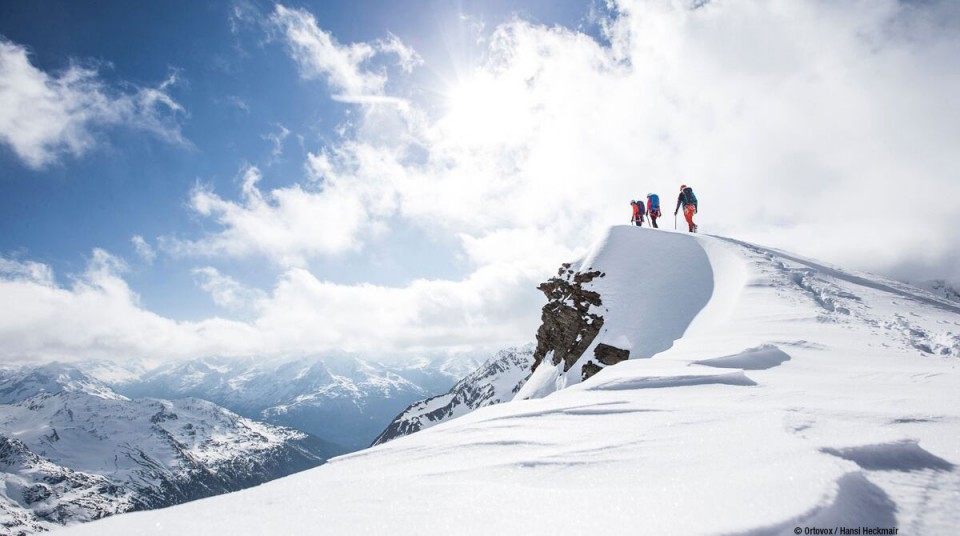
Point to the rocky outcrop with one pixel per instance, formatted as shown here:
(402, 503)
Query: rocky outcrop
(606, 355)
(569, 326)
(571, 321)
(589, 369)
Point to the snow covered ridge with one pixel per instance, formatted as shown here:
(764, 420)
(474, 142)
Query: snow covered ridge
(342, 399)
(496, 381)
(768, 393)
(941, 288)
(578, 330)
(18, 384)
(630, 297)
(72, 450)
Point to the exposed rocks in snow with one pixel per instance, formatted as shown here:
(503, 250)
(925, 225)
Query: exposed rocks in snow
(39, 494)
(593, 318)
(605, 354)
(610, 355)
(571, 323)
(589, 369)
(569, 326)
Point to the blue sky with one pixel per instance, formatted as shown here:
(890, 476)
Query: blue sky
(237, 87)
(192, 178)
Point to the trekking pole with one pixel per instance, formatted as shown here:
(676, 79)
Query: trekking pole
(674, 221)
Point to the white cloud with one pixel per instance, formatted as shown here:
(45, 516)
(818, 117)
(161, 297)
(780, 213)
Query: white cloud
(238, 103)
(407, 58)
(29, 271)
(98, 316)
(226, 291)
(804, 125)
(44, 116)
(481, 311)
(371, 99)
(811, 126)
(287, 225)
(824, 128)
(242, 13)
(277, 139)
(816, 127)
(319, 55)
(143, 249)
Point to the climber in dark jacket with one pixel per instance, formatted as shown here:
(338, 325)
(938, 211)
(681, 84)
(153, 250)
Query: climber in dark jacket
(689, 202)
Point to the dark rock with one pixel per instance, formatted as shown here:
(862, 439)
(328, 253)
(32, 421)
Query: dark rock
(163, 415)
(571, 321)
(568, 327)
(610, 355)
(36, 493)
(589, 369)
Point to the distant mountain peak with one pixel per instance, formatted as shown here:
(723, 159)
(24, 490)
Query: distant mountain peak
(496, 381)
(344, 399)
(24, 382)
(71, 450)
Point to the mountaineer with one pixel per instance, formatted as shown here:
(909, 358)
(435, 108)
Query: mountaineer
(689, 202)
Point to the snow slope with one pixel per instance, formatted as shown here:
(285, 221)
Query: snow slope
(799, 395)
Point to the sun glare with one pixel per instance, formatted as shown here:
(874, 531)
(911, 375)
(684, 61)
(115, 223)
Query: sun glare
(482, 110)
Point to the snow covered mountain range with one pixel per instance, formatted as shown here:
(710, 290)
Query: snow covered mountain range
(497, 380)
(71, 450)
(342, 399)
(763, 393)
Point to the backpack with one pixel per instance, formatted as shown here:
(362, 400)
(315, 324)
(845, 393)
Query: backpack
(654, 202)
(688, 197)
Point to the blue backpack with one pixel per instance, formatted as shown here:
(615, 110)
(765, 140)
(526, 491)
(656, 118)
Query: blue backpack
(654, 201)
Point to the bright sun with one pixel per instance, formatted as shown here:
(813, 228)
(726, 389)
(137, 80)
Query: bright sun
(483, 109)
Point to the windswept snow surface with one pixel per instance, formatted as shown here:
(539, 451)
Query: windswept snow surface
(799, 396)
